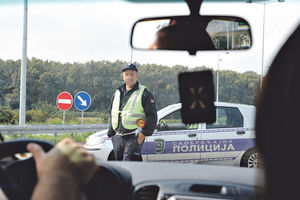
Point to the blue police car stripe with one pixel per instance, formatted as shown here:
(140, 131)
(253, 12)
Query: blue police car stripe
(197, 160)
(201, 146)
(161, 146)
(179, 132)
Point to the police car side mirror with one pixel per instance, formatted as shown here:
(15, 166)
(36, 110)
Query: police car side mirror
(157, 127)
(191, 33)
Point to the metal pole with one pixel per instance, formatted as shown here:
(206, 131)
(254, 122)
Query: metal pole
(81, 117)
(64, 117)
(131, 55)
(232, 36)
(218, 79)
(263, 46)
(263, 39)
(227, 36)
(22, 112)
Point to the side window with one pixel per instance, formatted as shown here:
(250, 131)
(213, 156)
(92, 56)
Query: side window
(227, 117)
(173, 122)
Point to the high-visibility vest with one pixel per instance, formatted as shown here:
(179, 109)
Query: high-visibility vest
(131, 113)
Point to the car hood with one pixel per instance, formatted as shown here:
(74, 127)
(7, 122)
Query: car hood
(102, 133)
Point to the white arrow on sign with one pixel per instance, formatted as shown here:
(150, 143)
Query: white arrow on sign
(65, 101)
(83, 102)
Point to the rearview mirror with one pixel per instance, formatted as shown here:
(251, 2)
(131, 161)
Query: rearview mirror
(191, 33)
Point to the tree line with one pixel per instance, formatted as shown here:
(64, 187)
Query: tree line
(46, 79)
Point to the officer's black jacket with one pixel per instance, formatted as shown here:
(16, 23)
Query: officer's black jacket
(148, 104)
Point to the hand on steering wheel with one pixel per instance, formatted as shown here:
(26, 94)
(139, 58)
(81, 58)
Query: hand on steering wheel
(64, 168)
(20, 177)
(68, 163)
(67, 158)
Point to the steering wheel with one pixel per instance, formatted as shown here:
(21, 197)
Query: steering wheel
(18, 178)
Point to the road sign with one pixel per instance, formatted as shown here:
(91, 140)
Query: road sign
(82, 101)
(64, 101)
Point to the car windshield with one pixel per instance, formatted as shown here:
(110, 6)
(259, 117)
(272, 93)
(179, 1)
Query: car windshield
(80, 47)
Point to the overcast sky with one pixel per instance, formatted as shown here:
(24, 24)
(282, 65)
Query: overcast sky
(100, 31)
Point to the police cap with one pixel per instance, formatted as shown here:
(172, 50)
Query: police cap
(129, 66)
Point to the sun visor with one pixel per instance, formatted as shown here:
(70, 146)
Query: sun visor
(196, 91)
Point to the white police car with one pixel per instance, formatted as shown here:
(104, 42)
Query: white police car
(229, 141)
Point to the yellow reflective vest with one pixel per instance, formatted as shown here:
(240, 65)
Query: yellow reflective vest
(132, 111)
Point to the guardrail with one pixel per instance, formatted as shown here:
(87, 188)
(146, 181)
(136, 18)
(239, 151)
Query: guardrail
(51, 129)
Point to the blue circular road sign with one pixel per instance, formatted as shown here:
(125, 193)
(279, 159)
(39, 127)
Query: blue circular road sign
(82, 101)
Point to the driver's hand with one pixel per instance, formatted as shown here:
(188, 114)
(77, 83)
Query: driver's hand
(67, 161)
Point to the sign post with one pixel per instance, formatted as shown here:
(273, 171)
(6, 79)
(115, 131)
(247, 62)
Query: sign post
(82, 102)
(64, 102)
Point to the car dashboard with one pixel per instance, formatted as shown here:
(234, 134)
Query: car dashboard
(185, 190)
(169, 181)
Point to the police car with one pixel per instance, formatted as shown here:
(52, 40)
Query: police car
(228, 141)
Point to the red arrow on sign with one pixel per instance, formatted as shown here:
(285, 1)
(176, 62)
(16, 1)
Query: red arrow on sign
(64, 101)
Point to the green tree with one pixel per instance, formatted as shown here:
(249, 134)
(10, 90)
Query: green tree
(46, 79)
(6, 115)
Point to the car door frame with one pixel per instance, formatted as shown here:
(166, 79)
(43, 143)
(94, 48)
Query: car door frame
(172, 145)
(224, 145)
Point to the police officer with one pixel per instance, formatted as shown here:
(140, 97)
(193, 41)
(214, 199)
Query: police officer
(133, 116)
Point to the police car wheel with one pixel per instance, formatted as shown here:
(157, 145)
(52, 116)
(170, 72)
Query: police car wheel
(250, 159)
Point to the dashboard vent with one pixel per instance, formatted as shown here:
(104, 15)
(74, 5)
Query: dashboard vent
(147, 193)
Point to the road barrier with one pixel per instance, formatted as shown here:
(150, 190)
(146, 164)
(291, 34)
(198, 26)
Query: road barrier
(51, 129)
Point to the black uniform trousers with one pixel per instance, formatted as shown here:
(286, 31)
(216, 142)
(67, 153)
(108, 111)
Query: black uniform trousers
(127, 148)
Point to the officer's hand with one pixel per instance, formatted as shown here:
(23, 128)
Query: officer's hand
(141, 138)
(67, 161)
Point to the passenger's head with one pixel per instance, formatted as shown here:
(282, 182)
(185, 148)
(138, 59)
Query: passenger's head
(130, 75)
(277, 122)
